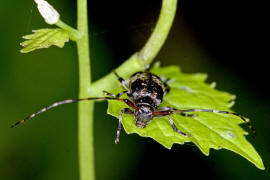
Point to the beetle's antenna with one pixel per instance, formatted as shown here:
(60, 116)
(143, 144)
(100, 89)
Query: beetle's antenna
(68, 101)
(223, 112)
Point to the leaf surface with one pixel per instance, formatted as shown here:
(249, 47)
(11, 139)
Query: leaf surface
(208, 130)
(44, 38)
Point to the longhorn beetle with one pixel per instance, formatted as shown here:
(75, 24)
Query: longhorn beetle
(145, 92)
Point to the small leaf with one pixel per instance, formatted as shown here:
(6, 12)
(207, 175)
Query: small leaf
(44, 38)
(208, 130)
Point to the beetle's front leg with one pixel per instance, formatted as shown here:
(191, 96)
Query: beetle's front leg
(123, 111)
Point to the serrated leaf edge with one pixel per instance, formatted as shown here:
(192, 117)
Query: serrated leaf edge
(53, 32)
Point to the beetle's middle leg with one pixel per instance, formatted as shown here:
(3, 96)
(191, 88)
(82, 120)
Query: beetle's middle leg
(114, 95)
(175, 128)
(166, 111)
(121, 80)
(165, 82)
(167, 87)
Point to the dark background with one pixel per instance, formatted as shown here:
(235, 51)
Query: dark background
(226, 39)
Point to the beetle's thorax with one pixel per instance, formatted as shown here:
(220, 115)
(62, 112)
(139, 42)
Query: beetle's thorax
(146, 89)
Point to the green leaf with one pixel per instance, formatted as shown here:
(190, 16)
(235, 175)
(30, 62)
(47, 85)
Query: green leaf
(208, 130)
(44, 38)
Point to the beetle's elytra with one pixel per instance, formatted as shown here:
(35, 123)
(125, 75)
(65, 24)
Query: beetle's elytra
(145, 91)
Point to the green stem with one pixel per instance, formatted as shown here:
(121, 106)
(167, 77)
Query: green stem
(161, 31)
(73, 33)
(139, 61)
(85, 109)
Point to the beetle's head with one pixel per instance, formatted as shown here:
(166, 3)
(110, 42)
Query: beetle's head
(143, 116)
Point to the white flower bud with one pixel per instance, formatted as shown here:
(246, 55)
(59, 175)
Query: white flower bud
(49, 14)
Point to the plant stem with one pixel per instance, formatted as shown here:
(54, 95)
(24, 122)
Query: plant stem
(73, 33)
(85, 109)
(139, 61)
(161, 31)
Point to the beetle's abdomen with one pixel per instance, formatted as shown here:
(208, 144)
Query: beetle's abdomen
(146, 88)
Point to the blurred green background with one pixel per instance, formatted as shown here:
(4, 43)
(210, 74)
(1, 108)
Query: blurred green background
(223, 39)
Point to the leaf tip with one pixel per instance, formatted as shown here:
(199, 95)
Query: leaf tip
(23, 51)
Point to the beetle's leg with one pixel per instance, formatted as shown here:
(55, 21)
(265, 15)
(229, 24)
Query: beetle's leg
(175, 128)
(123, 111)
(166, 111)
(128, 102)
(114, 95)
(121, 80)
(165, 81)
(167, 87)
